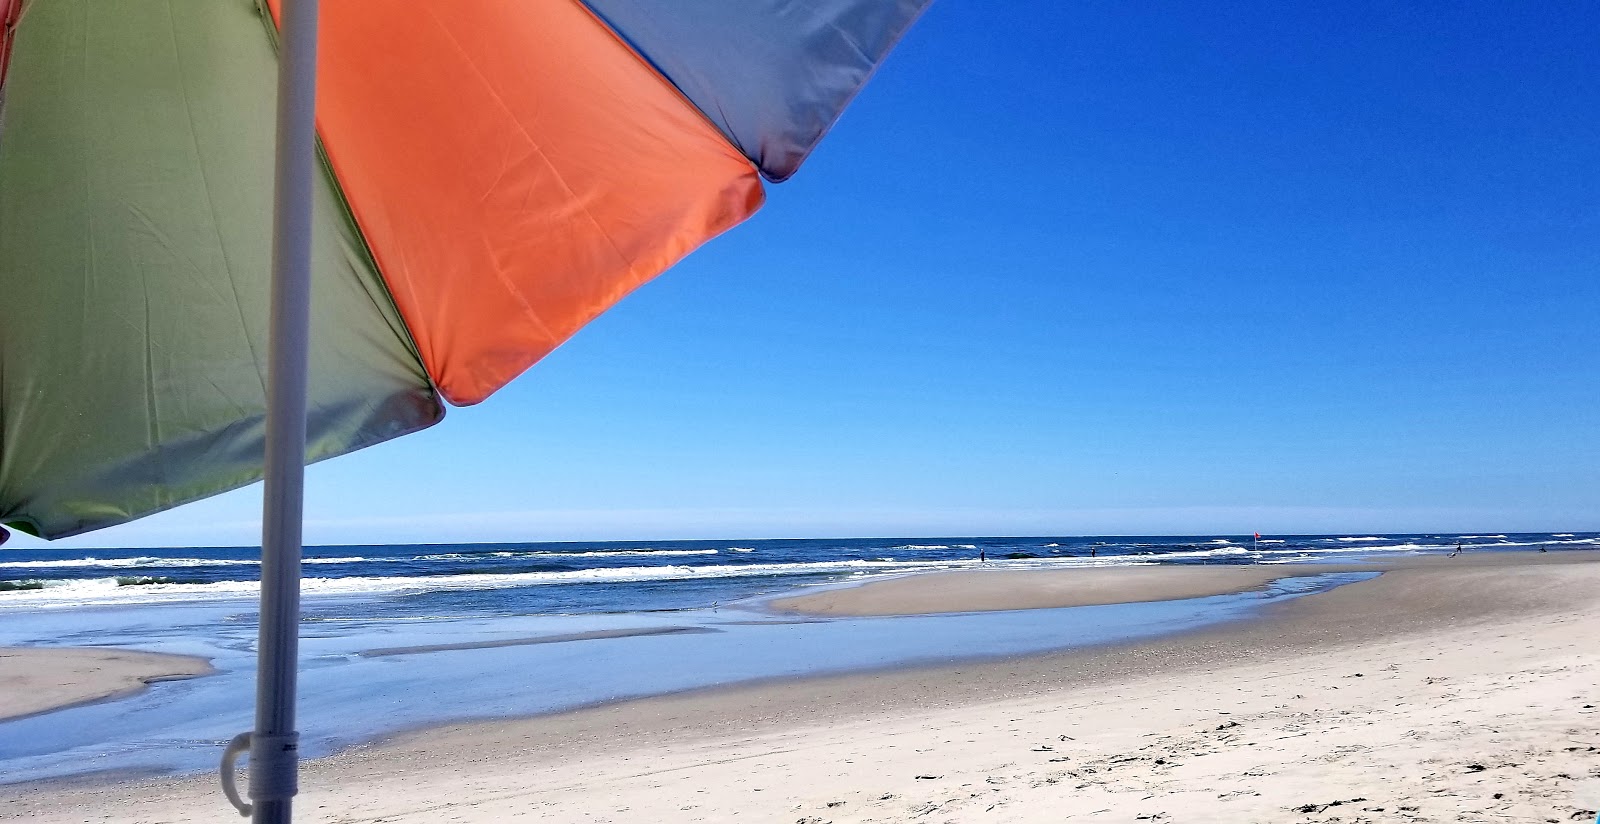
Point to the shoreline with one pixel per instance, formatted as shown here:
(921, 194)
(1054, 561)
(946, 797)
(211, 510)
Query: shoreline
(1094, 660)
(1503, 634)
(62, 678)
(39, 680)
(349, 702)
(780, 682)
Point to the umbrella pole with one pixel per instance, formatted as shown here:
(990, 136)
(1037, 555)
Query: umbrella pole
(274, 744)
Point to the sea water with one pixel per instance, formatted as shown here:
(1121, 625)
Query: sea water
(396, 581)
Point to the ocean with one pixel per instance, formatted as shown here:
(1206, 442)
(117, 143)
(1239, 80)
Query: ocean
(398, 637)
(627, 576)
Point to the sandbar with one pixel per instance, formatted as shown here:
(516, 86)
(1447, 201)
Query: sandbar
(990, 590)
(40, 679)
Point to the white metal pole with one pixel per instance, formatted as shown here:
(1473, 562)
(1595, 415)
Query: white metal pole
(274, 757)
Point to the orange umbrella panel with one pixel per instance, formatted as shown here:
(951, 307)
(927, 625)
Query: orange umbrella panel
(516, 170)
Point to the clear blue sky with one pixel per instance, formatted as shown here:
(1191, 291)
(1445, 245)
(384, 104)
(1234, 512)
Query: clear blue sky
(1071, 268)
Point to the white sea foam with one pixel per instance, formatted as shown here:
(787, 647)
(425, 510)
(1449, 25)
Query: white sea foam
(1567, 542)
(125, 563)
(1369, 538)
(1272, 541)
(534, 555)
(148, 561)
(1356, 550)
(1411, 547)
(621, 553)
(1274, 555)
(1470, 537)
(1221, 541)
(75, 592)
(741, 549)
(924, 546)
(81, 592)
(1198, 553)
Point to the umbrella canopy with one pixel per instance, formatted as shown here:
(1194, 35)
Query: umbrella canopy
(495, 174)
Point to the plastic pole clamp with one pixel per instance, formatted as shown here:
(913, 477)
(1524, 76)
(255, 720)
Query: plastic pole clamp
(274, 768)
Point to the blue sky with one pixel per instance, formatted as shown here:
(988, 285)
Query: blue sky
(1086, 269)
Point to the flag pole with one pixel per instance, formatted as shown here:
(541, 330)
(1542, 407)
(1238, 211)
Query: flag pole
(274, 744)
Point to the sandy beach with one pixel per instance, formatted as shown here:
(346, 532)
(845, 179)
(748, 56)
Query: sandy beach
(1448, 689)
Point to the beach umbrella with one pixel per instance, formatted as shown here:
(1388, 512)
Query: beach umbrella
(452, 189)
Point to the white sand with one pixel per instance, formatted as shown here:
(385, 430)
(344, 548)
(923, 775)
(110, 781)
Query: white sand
(1415, 697)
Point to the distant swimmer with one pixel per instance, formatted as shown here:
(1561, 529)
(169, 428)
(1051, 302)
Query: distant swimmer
(1093, 551)
(983, 558)
(1458, 550)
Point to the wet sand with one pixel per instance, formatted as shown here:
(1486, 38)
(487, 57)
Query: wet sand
(593, 635)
